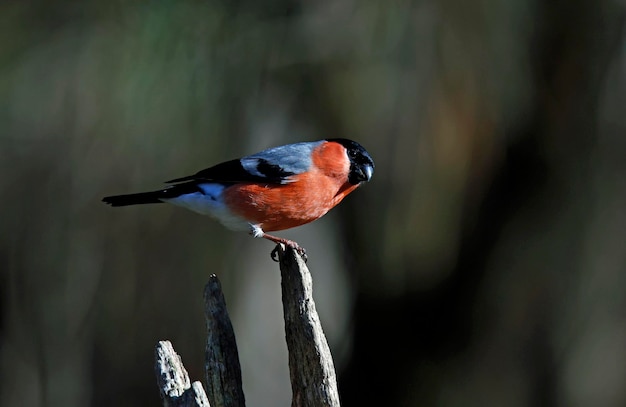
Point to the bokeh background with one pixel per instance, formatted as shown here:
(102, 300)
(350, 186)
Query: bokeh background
(484, 265)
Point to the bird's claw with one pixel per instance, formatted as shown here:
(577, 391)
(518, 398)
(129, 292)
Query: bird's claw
(295, 246)
(274, 254)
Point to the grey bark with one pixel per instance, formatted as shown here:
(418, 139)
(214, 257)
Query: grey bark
(223, 371)
(311, 368)
(173, 380)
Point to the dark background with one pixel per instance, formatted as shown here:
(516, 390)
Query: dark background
(484, 265)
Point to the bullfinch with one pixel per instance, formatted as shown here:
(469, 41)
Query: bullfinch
(275, 189)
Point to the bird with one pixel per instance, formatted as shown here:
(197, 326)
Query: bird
(276, 189)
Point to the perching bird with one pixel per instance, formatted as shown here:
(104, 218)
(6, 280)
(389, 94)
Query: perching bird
(275, 189)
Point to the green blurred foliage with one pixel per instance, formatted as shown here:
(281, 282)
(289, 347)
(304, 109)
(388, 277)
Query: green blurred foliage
(483, 265)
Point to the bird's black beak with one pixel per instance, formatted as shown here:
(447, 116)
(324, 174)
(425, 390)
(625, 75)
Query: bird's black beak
(361, 173)
(368, 171)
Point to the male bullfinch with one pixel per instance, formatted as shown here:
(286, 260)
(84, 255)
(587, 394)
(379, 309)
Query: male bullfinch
(276, 189)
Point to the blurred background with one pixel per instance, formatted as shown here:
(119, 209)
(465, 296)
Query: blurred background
(483, 265)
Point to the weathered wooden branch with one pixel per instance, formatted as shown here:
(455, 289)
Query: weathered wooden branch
(311, 368)
(312, 373)
(173, 380)
(223, 371)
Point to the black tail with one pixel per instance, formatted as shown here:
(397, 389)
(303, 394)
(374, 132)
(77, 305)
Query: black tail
(141, 198)
(134, 199)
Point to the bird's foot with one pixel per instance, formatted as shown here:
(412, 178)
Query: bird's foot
(256, 231)
(300, 250)
(288, 243)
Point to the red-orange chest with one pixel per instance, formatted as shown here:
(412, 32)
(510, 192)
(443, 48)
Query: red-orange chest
(307, 197)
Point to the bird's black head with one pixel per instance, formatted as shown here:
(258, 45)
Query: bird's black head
(361, 164)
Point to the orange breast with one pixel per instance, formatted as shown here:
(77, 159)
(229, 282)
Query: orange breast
(308, 197)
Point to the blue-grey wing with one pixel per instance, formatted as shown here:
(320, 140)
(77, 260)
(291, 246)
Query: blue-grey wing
(279, 163)
(274, 166)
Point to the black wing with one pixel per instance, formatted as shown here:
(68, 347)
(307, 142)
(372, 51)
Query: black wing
(233, 171)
